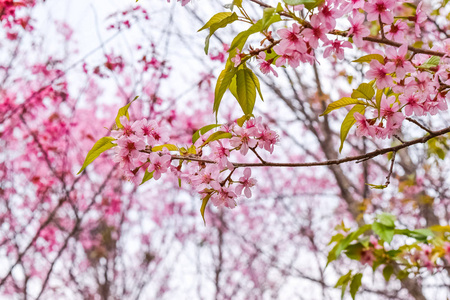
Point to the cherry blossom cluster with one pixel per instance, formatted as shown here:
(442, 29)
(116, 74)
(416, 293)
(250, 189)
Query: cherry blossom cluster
(299, 42)
(422, 255)
(8, 18)
(142, 146)
(132, 139)
(125, 18)
(414, 91)
(8, 7)
(412, 83)
(183, 2)
(429, 254)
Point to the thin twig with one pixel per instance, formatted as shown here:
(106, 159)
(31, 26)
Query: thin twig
(418, 124)
(381, 28)
(257, 155)
(388, 177)
(398, 138)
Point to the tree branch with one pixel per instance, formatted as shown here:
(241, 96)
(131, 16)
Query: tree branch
(361, 157)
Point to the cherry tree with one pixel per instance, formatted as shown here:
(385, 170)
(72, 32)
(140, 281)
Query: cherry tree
(351, 135)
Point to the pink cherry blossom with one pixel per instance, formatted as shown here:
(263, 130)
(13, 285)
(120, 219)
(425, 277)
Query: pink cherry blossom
(129, 128)
(220, 154)
(291, 39)
(317, 32)
(329, 14)
(267, 139)
(288, 56)
(389, 109)
(412, 103)
(423, 83)
(205, 176)
(363, 128)
(374, 241)
(224, 197)
(246, 183)
(265, 66)
(130, 145)
(419, 19)
(352, 5)
(398, 60)
(357, 29)
(159, 164)
(396, 31)
(183, 2)
(336, 46)
(243, 140)
(237, 58)
(367, 257)
(380, 8)
(380, 73)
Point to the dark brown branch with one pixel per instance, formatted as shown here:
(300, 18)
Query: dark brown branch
(330, 162)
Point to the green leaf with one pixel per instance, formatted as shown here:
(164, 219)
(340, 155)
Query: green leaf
(246, 90)
(440, 228)
(343, 282)
(378, 98)
(336, 238)
(432, 62)
(123, 111)
(384, 232)
(216, 19)
(202, 209)
(220, 22)
(369, 58)
(202, 131)
(99, 147)
(377, 186)
(386, 219)
(341, 103)
(354, 251)
(240, 39)
(192, 150)
(256, 82)
(242, 120)
(147, 176)
(298, 2)
(378, 262)
(364, 241)
(237, 3)
(364, 91)
(218, 135)
(387, 272)
(393, 253)
(402, 274)
(420, 235)
(272, 55)
(279, 8)
(223, 82)
(233, 87)
(269, 17)
(343, 244)
(349, 121)
(355, 284)
(310, 6)
(344, 278)
(169, 147)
